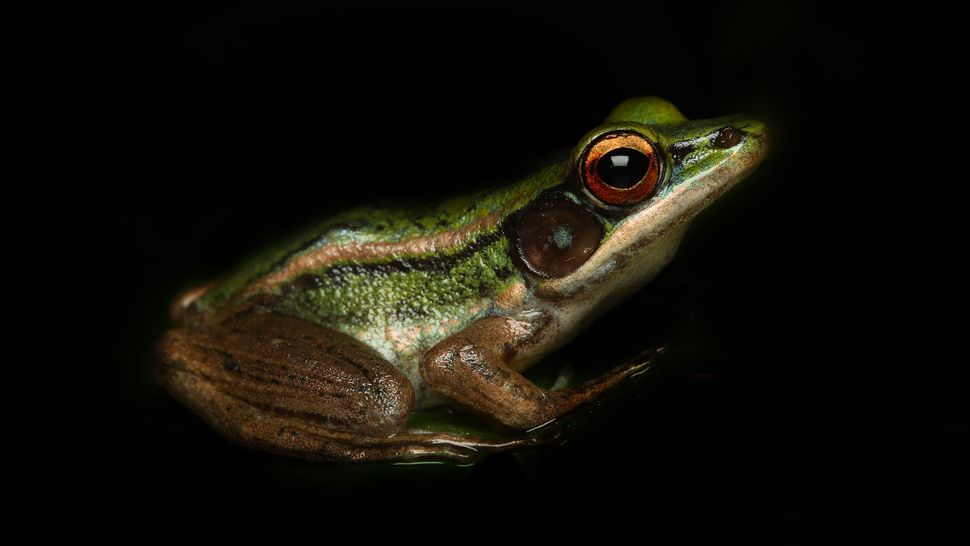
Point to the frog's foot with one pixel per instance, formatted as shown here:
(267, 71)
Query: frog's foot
(288, 386)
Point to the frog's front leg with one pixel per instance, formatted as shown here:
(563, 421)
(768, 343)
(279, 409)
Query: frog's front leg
(472, 367)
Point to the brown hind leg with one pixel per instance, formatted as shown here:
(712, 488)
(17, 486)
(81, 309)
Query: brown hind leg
(288, 386)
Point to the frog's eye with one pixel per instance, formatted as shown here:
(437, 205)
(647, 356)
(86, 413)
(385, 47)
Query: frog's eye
(621, 168)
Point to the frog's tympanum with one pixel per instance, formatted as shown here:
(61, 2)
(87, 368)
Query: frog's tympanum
(324, 347)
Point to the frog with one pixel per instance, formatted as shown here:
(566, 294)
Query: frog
(324, 347)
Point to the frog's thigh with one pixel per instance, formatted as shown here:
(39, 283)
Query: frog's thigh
(263, 378)
(471, 367)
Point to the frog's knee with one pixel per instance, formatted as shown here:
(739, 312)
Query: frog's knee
(390, 403)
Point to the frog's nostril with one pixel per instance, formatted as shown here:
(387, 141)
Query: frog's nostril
(726, 137)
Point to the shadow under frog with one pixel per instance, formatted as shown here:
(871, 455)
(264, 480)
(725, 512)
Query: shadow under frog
(323, 347)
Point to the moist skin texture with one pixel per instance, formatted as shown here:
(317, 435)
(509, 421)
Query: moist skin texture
(322, 347)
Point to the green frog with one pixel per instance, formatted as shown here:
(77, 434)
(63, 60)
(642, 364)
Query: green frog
(323, 347)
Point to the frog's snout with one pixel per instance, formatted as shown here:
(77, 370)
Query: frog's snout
(758, 135)
(718, 154)
(745, 141)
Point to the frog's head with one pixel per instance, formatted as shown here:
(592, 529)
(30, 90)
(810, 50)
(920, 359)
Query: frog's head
(634, 184)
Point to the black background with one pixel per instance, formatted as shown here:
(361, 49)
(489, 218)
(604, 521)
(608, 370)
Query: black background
(795, 416)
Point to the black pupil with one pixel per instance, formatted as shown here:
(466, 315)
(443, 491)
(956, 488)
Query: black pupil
(622, 167)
